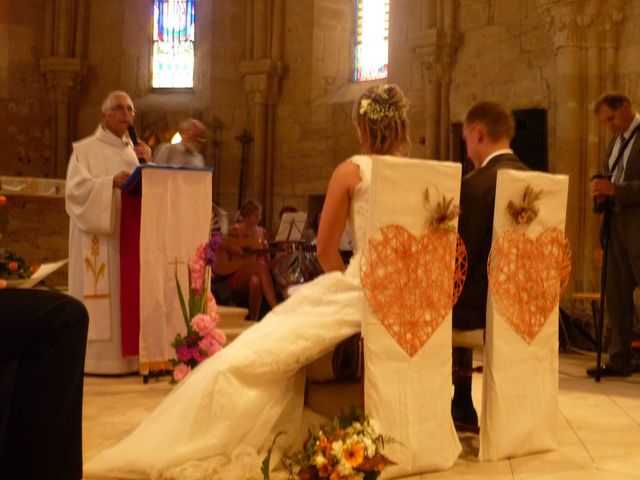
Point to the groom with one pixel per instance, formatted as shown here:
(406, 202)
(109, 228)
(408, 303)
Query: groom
(488, 130)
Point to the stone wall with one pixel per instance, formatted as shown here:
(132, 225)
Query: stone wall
(507, 55)
(217, 98)
(37, 229)
(629, 52)
(313, 121)
(25, 136)
(528, 53)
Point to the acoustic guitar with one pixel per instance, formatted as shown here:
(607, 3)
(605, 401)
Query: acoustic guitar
(228, 262)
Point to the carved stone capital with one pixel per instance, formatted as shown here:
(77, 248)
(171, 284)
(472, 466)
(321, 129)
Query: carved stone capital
(435, 49)
(574, 23)
(610, 21)
(63, 76)
(561, 17)
(261, 80)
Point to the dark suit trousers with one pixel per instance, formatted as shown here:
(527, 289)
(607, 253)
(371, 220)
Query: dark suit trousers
(43, 338)
(623, 273)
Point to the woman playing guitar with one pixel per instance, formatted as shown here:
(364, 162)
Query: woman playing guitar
(251, 270)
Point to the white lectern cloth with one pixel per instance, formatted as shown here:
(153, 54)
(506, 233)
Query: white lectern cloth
(175, 219)
(520, 381)
(410, 395)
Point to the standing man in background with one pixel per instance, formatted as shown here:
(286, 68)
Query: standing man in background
(99, 165)
(186, 153)
(619, 192)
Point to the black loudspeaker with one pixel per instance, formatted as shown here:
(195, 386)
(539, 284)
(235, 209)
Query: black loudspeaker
(530, 140)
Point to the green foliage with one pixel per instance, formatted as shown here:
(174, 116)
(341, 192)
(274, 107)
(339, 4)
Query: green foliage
(183, 305)
(264, 468)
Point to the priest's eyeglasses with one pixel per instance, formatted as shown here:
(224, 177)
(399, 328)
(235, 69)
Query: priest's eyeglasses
(124, 108)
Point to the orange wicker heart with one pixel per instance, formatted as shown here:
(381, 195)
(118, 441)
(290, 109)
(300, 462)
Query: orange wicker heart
(409, 281)
(527, 276)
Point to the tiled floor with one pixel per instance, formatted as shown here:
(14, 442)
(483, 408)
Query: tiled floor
(599, 427)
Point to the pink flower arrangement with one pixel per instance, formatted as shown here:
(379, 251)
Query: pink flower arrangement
(180, 371)
(203, 337)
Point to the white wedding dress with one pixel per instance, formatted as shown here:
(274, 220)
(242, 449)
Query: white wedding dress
(219, 422)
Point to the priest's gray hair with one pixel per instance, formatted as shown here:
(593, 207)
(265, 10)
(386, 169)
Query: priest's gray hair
(108, 101)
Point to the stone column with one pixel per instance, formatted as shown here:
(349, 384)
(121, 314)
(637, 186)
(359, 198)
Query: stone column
(578, 41)
(435, 48)
(261, 76)
(63, 68)
(260, 36)
(261, 81)
(593, 160)
(63, 78)
(570, 113)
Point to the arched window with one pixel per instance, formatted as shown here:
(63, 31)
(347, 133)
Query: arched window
(372, 39)
(173, 43)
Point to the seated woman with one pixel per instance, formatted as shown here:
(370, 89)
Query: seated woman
(252, 275)
(219, 422)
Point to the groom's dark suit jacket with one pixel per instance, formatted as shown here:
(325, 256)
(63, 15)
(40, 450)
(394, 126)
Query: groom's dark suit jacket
(475, 226)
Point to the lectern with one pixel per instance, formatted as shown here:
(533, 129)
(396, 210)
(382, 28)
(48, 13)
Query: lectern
(166, 215)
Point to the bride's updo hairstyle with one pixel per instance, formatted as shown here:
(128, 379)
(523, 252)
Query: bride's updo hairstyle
(381, 117)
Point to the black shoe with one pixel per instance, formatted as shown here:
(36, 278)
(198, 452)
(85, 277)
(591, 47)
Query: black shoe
(465, 418)
(607, 371)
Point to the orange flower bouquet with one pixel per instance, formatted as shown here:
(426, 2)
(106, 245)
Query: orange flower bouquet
(12, 266)
(347, 448)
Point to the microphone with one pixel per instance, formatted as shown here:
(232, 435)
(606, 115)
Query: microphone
(134, 139)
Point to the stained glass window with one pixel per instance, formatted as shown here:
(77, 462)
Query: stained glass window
(173, 43)
(372, 39)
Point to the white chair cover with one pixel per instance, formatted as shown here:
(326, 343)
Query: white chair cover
(410, 393)
(520, 381)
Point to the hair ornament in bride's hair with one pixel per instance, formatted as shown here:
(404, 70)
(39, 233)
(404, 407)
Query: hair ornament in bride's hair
(377, 107)
(380, 114)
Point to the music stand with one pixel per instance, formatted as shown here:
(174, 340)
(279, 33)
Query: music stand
(291, 227)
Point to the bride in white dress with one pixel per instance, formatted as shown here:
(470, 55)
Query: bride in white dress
(219, 422)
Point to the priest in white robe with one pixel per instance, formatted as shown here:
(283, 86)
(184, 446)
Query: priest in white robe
(98, 167)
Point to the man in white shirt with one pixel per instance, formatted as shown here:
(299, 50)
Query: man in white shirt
(186, 153)
(619, 190)
(98, 167)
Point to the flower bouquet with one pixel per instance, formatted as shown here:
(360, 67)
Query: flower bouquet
(347, 448)
(201, 317)
(12, 266)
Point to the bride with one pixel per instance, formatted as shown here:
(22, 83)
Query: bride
(219, 422)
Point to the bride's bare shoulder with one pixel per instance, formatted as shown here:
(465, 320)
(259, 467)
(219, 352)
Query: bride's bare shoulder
(348, 171)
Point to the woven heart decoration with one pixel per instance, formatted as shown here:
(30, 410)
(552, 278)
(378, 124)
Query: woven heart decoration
(411, 282)
(527, 276)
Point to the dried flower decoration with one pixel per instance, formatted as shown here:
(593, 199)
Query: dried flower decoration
(527, 211)
(443, 213)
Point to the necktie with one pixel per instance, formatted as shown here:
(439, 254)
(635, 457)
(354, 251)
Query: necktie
(619, 162)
